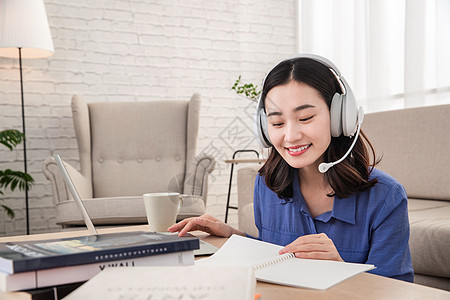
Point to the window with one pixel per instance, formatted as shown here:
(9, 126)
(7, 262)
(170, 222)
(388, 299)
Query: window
(394, 54)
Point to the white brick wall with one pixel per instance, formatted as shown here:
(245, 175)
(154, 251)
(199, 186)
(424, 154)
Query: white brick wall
(145, 50)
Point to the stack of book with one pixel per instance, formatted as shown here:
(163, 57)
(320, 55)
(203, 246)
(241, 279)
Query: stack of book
(48, 263)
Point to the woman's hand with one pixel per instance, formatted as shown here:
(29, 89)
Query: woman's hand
(205, 223)
(313, 246)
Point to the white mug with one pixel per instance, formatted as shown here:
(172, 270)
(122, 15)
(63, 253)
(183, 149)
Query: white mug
(162, 210)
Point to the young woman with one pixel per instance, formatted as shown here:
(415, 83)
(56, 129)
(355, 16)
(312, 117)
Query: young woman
(351, 212)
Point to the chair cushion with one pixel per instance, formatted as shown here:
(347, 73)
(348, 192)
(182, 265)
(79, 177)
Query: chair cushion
(120, 210)
(430, 236)
(433, 281)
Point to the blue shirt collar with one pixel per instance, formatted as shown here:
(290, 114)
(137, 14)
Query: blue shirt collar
(343, 209)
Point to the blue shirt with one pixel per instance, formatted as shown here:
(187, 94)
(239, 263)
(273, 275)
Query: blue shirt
(368, 227)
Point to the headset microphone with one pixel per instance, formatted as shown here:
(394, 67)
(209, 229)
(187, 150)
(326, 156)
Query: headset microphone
(323, 167)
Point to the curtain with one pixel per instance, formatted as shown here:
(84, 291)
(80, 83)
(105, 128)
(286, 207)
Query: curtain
(394, 54)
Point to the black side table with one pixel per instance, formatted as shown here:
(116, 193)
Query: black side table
(233, 162)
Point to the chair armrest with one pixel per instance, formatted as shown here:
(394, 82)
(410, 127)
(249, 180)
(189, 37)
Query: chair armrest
(196, 180)
(193, 206)
(245, 187)
(60, 191)
(246, 184)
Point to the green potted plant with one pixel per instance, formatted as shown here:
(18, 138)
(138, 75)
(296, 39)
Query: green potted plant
(10, 179)
(249, 90)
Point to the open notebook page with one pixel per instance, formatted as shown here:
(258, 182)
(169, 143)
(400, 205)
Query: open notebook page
(242, 251)
(315, 274)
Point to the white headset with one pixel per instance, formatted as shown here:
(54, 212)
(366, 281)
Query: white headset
(345, 117)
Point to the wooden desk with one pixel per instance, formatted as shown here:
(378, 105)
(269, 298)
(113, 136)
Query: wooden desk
(362, 286)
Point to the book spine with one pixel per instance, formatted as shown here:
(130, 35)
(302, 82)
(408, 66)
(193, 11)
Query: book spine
(71, 274)
(47, 262)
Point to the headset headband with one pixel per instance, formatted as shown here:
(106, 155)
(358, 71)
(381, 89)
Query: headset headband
(326, 62)
(343, 110)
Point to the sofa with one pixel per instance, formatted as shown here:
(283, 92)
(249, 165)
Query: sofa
(413, 144)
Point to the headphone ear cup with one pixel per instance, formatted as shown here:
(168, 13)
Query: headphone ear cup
(336, 115)
(264, 128)
(349, 115)
(261, 128)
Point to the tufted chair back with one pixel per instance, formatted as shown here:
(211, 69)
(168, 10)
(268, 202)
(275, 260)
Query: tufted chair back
(132, 148)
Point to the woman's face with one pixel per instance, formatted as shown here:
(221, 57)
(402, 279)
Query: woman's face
(298, 122)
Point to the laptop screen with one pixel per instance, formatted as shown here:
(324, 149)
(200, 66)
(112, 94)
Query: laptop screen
(74, 193)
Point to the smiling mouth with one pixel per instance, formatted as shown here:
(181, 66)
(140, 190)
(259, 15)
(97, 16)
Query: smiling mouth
(299, 149)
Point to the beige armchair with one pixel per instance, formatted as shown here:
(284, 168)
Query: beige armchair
(127, 149)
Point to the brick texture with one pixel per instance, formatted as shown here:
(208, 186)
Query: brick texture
(141, 50)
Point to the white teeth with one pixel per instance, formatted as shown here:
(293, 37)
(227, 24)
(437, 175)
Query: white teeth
(299, 149)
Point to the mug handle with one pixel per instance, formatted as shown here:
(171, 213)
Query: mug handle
(180, 204)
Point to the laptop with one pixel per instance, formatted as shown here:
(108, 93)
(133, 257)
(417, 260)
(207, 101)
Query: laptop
(205, 248)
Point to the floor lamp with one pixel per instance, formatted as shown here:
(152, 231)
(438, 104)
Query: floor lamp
(24, 34)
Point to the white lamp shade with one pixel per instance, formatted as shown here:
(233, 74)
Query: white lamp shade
(24, 24)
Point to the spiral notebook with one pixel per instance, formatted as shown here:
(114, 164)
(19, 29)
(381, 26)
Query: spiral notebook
(284, 269)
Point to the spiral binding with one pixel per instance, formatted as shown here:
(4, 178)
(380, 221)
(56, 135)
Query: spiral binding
(272, 261)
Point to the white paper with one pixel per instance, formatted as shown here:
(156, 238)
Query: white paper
(181, 283)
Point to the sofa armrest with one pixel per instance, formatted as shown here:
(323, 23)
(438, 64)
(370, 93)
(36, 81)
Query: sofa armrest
(60, 191)
(196, 180)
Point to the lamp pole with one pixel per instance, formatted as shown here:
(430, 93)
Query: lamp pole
(24, 142)
(24, 27)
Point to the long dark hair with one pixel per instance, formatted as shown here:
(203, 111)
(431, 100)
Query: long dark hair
(346, 178)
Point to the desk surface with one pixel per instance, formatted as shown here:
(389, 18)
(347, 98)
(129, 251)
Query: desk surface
(361, 286)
